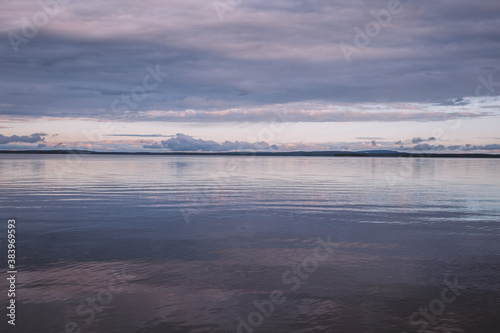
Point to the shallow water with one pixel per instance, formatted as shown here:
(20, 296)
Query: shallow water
(191, 244)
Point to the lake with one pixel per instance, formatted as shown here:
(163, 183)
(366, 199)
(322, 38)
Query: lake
(253, 244)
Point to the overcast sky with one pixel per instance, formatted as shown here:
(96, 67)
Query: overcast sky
(249, 74)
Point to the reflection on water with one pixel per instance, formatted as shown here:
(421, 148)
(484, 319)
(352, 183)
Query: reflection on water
(192, 244)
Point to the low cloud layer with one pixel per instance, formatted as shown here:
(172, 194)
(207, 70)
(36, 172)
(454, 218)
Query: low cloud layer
(33, 138)
(416, 140)
(183, 142)
(467, 147)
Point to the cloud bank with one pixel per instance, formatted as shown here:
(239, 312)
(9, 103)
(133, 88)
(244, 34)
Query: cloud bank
(416, 140)
(183, 142)
(467, 147)
(33, 138)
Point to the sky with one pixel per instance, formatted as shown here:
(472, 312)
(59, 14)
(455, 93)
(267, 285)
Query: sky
(224, 75)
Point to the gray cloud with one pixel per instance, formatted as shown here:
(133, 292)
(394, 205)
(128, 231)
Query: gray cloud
(415, 140)
(182, 142)
(33, 138)
(467, 147)
(426, 146)
(419, 139)
(470, 147)
(455, 102)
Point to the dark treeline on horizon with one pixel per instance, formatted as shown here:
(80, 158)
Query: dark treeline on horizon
(289, 153)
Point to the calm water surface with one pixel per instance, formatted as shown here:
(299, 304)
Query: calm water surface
(198, 244)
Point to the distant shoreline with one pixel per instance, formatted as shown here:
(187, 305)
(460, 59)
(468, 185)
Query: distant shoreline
(290, 153)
